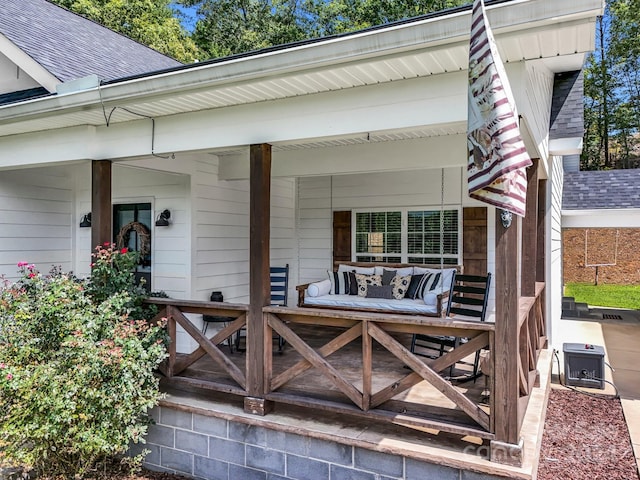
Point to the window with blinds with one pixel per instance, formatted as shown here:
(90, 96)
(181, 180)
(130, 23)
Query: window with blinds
(407, 236)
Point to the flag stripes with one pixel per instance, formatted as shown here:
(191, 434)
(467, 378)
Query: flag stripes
(497, 155)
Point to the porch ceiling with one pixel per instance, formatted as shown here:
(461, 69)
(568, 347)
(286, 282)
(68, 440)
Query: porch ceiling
(525, 30)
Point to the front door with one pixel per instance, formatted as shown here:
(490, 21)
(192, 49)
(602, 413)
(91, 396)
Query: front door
(132, 230)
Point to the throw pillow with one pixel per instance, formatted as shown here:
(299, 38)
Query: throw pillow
(339, 283)
(428, 283)
(318, 289)
(447, 278)
(365, 280)
(430, 299)
(353, 284)
(383, 291)
(387, 276)
(400, 285)
(412, 291)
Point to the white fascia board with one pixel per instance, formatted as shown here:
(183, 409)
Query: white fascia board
(28, 64)
(601, 218)
(430, 32)
(565, 146)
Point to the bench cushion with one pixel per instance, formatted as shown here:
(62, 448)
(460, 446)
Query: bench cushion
(406, 305)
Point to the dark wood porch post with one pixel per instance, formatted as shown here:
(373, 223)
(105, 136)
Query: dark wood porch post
(101, 211)
(507, 447)
(259, 286)
(541, 250)
(541, 260)
(529, 234)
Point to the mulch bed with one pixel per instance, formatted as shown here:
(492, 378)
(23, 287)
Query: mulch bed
(585, 437)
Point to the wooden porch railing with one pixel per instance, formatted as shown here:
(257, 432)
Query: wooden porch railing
(356, 397)
(379, 327)
(532, 338)
(174, 311)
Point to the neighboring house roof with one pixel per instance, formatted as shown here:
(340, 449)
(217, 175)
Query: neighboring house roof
(69, 46)
(603, 189)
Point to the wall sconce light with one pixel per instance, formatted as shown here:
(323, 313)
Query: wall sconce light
(86, 220)
(163, 218)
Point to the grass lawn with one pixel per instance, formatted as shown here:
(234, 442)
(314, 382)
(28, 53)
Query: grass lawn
(620, 296)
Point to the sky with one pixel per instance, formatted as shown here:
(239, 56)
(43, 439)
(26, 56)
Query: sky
(189, 16)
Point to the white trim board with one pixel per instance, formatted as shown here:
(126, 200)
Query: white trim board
(601, 218)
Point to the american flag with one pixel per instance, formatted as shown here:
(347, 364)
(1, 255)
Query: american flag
(497, 155)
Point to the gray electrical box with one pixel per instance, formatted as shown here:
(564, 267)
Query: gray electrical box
(583, 365)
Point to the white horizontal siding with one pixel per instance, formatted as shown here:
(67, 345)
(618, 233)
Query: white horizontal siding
(36, 207)
(283, 229)
(221, 231)
(314, 228)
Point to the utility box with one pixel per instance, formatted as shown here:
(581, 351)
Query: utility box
(583, 365)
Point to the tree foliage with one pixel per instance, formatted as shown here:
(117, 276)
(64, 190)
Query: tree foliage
(612, 90)
(151, 22)
(228, 27)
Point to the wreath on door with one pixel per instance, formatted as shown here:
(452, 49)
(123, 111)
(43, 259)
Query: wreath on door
(144, 237)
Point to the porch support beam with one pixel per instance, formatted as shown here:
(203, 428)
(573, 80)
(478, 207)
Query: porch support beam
(529, 231)
(541, 234)
(259, 281)
(505, 349)
(101, 211)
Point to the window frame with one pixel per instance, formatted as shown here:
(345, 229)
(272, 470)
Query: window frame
(404, 233)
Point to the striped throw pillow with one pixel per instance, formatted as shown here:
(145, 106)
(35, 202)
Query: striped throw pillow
(340, 284)
(428, 283)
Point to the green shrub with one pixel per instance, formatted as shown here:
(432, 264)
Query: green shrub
(76, 366)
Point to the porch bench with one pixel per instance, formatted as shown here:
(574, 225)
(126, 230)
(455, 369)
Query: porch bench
(318, 294)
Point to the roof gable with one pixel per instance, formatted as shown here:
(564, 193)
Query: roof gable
(602, 189)
(69, 46)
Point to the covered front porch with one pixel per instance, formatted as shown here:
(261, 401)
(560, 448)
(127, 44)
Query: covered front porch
(358, 364)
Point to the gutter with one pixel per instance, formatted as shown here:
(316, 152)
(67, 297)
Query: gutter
(447, 27)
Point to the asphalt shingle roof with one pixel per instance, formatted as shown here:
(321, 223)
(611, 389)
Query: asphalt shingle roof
(567, 108)
(601, 189)
(70, 46)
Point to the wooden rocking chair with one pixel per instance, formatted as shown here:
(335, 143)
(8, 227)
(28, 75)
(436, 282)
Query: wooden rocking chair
(468, 300)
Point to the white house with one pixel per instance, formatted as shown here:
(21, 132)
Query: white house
(368, 122)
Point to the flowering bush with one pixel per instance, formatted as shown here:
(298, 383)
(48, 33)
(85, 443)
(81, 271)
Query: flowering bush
(76, 366)
(112, 272)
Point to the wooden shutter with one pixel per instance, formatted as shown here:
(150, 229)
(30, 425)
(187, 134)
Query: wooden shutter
(342, 236)
(474, 240)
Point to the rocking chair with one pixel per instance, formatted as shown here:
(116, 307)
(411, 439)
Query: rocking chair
(468, 300)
